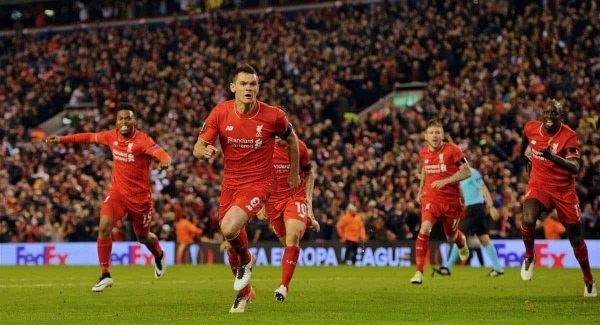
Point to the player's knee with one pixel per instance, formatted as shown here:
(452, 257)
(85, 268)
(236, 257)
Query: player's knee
(451, 238)
(451, 235)
(531, 212)
(105, 227)
(292, 238)
(104, 232)
(528, 219)
(484, 240)
(142, 239)
(576, 242)
(229, 232)
(425, 228)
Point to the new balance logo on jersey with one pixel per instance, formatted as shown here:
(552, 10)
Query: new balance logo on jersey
(253, 203)
(229, 128)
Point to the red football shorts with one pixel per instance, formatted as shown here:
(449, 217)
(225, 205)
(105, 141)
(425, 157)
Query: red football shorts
(449, 213)
(138, 208)
(281, 211)
(565, 201)
(250, 199)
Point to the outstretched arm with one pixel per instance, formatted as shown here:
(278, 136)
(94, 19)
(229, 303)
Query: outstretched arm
(73, 138)
(162, 156)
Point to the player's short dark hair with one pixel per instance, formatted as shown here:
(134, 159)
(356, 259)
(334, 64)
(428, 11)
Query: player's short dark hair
(125, 106)
(434, 122)
(245, 68)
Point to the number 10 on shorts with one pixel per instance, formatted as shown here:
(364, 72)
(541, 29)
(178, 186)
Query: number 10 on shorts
(302, 209)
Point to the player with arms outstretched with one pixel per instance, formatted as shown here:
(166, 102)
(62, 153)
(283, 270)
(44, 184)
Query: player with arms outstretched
(290, 212)
(129, 193)
(246, 129)
(553, 164)
(443, 166)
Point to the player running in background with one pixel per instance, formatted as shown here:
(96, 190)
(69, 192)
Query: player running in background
(129, 193)
(290, 212)
(443, 166)
(477, 199)
(246, 129)
(553, 164)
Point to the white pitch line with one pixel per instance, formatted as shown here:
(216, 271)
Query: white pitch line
(173, 282)
(39, 285)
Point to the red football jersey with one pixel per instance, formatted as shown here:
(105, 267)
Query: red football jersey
(440, 164)
(544, 171)
(131, 158)
(281, 162)
(248, 140)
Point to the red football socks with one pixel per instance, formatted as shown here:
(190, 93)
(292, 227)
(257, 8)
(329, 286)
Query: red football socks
(581, 254)
(528, 235)
(421, 248)
(234, 260)
(240, 245)
(154, 246)
(288, 264)
(104, 251)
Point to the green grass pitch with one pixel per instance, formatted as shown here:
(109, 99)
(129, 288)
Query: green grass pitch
(332, 295)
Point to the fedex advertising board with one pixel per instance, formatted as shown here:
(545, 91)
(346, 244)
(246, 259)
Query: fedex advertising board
(123, 253)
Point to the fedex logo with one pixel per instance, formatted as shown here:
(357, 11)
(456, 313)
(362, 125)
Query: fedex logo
(542, 256)
(133, 255)
(48, 256)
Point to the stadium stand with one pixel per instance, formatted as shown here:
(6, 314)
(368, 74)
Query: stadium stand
(39, 14)
(488, 67)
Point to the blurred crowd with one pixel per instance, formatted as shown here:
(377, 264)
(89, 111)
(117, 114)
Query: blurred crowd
(39, 14)
(489, 67)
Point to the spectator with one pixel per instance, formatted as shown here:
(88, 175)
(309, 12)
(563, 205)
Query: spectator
(553, 229)
(187, 234)
(351, 229)
(78, 97)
